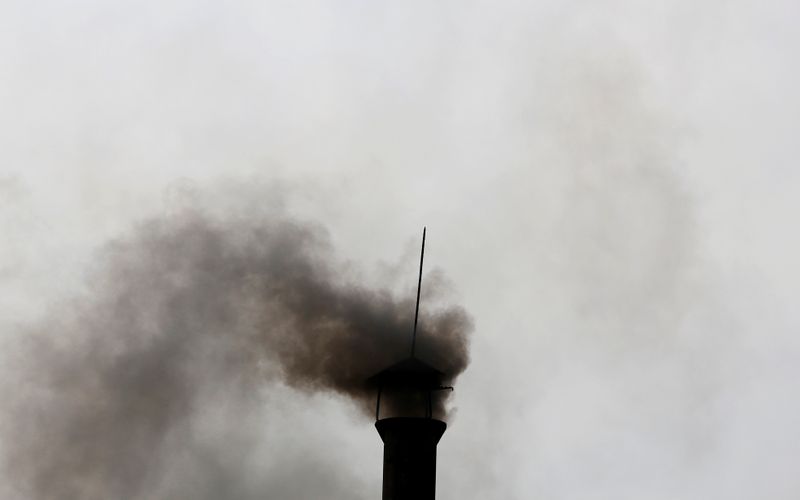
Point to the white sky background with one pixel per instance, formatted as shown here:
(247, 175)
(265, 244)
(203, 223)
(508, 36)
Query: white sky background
(610, 186)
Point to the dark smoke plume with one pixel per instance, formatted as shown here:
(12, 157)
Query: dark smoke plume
(191, 305)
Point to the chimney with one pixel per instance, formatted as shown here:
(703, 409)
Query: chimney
(410, 434)
(404, 417)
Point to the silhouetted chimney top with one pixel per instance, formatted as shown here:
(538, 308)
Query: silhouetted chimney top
(407, 425)
(409, 372)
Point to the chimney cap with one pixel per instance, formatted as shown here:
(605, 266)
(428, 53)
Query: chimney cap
(408, 372)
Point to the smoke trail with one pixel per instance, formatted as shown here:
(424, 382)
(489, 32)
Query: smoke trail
(187, 305)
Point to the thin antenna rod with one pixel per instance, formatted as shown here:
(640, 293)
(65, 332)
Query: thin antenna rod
(419, 288)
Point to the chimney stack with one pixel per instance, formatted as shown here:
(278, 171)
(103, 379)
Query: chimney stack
(406, 422)
(410, 434)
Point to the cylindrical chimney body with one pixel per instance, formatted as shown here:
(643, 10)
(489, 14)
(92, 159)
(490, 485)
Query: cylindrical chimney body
(409, 457)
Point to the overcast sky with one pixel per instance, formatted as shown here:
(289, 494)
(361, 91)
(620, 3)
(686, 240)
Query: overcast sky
(610, 188)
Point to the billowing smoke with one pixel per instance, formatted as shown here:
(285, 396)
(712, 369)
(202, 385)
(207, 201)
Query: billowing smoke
(187, 307)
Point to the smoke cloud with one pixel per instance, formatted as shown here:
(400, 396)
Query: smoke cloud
(191, 311)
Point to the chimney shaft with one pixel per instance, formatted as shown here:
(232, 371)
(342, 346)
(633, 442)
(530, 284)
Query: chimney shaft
(409, 457)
